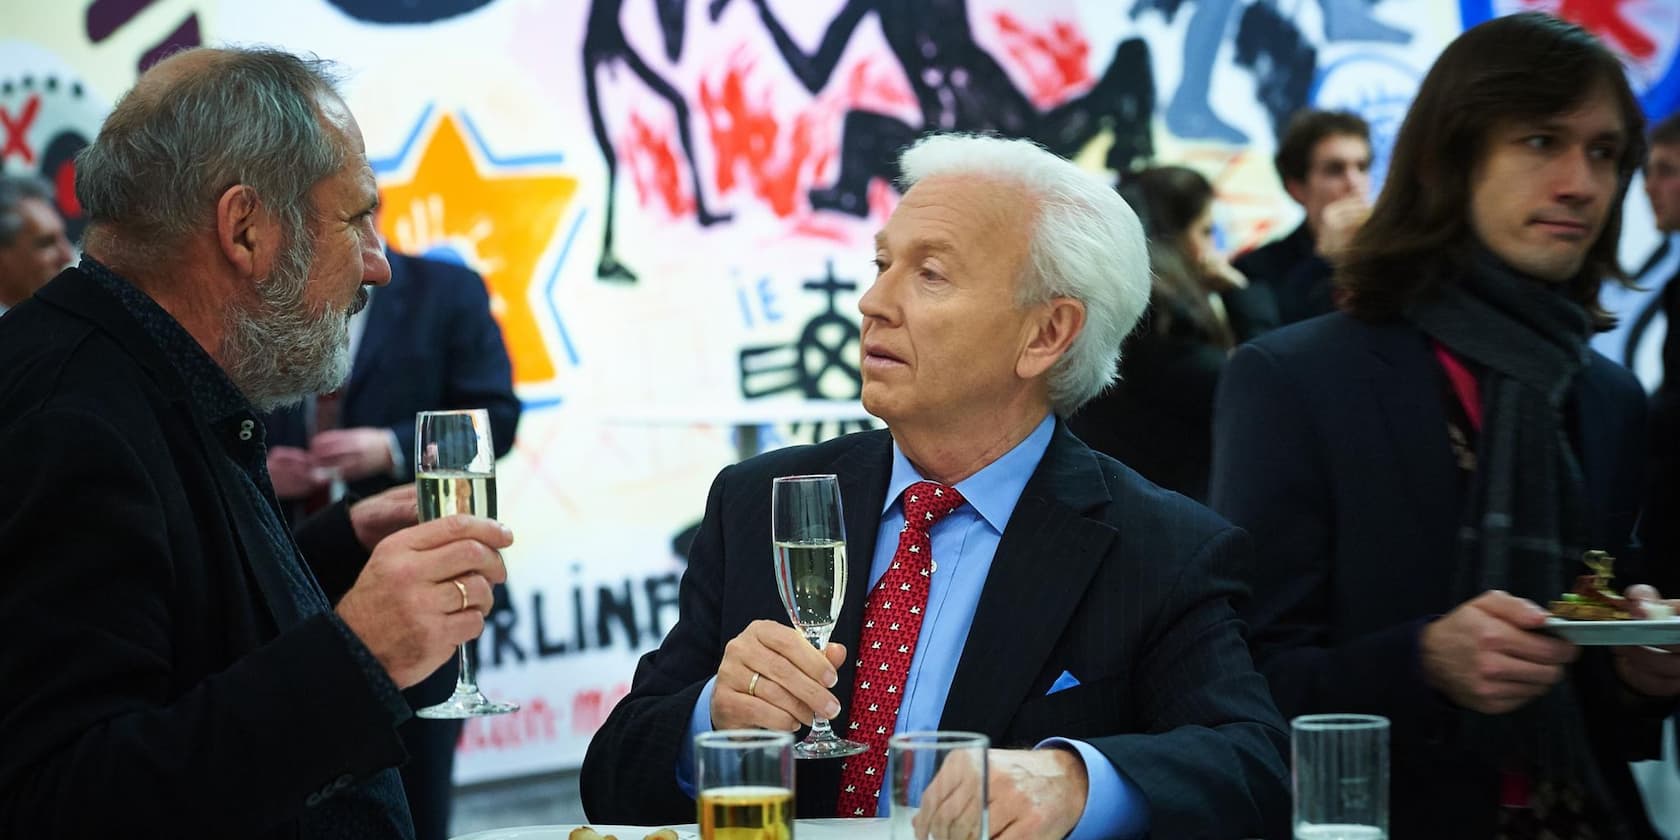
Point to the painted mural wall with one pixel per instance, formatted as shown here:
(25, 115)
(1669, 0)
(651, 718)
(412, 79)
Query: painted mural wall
(672, 204)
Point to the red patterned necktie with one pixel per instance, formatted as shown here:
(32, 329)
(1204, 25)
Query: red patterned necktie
(892, 621)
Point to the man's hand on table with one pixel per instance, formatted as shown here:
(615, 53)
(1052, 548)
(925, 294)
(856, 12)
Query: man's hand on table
(772, 678)
(1032, 793)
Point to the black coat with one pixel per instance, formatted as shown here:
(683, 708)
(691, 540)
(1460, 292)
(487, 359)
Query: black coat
(1331, 449)
(150, 689)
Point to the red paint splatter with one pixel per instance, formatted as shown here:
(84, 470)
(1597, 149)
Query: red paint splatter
(17, 130)
(778, 158)
(1606, 19)
(648, 154)
(1053, 59)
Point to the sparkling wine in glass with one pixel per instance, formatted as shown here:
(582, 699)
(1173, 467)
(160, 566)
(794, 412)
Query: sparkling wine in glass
(455, 472)
(809, 537)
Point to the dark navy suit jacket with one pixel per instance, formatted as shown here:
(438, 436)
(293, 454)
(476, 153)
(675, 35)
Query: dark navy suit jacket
(430, 343)
(1098, 573)
(1331, 449)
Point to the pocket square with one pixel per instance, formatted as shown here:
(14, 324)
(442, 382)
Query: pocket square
(1064, 682)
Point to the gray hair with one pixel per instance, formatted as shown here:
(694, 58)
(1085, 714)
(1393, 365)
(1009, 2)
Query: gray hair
(161, 160)
(1086, 244)
(14, 190)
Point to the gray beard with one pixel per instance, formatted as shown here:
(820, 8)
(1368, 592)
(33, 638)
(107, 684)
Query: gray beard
(280, 353)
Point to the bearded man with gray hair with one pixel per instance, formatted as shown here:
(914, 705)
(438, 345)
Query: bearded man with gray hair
(175, 663)
(1035, 591)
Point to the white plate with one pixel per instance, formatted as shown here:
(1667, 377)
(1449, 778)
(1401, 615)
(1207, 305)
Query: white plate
(560, 832)
(1659, 631)
(820, 829)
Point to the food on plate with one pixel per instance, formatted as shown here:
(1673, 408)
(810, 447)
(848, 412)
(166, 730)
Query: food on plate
(587, 833)
(1592, 599)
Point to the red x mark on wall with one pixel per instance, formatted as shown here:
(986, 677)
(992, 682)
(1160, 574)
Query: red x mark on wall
(17, 129)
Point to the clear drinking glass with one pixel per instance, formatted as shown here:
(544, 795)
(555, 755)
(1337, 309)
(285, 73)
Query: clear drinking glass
(455, 472)
(1340, 767)
(745, 781)
(808, 532)
(937, 785)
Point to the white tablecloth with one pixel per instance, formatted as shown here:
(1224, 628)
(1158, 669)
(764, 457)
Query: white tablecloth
(803, 830)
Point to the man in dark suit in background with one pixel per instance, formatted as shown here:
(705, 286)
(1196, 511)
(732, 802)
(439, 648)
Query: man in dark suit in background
(177, 663)
(1057, 602)
(1421, 472)
(1324, 161)
(426, 341)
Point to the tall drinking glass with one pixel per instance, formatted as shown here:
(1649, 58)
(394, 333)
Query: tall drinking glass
(808, 531)
(455, 471)
(1340, 767)
(745, 781)
(937, 784)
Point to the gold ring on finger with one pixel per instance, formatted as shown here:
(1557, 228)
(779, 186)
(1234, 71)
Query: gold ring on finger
(752, 685)
(463, 587)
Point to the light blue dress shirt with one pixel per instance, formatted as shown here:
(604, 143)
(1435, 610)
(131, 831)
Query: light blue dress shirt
(963, 544)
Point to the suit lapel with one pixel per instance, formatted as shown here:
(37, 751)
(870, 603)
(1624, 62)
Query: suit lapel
(1043, 566)
(1404, 385)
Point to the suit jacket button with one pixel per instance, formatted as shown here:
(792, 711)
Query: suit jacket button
(313, 800)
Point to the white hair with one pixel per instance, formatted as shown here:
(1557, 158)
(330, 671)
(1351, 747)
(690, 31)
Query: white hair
(1086, 244)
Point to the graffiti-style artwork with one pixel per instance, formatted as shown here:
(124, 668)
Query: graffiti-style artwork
(605, 47)
(107, 17)
(498, 223)
(822, 364)
(958, 86)
(47, 115)
(1645, 33)
(408, 11)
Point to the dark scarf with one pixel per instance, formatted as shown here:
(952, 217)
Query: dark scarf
(1525, 524)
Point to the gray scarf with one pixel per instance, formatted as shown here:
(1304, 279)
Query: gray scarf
(1525, 522)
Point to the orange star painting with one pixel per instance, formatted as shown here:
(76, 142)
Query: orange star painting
(498, 223)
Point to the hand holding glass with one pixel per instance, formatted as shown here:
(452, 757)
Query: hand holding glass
(455, 472)
(745, 781)
(807, 529)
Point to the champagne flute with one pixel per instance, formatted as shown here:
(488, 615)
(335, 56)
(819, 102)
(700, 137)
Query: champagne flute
(809, 536)
(455, 471)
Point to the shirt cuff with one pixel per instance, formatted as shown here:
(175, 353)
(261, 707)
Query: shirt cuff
(398, 462)
(699, 722)
(1114, 807)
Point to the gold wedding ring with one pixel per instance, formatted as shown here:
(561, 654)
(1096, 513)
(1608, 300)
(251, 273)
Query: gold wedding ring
(463, 587)
(752, 687)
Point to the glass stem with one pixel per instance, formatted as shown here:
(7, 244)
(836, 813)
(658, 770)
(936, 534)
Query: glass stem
(820, 730)
(464, 681)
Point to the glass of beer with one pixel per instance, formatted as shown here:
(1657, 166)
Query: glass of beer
(745, 780)
(1341, 776)
(937, 784)
(455, 472)
(808, 533)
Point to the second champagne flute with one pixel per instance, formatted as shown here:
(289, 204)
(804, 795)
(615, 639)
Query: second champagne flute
(808, 531)
(455, 470)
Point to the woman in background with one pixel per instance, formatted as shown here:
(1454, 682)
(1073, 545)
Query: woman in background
(1158, 418)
